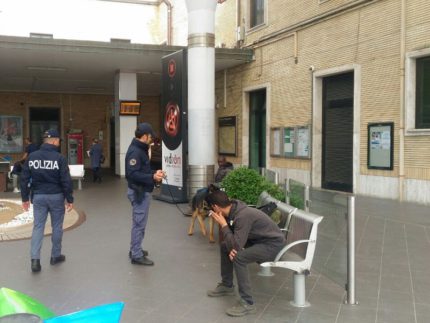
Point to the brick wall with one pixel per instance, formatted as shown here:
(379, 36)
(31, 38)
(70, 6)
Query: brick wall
(91, 113)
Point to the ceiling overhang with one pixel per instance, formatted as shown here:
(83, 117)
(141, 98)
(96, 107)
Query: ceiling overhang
(70, 66)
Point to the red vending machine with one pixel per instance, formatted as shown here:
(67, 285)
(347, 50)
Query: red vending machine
(75, 148)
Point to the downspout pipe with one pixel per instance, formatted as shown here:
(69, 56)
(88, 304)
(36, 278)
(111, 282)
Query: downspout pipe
(238, 26)
(402, 100)
(169, 20)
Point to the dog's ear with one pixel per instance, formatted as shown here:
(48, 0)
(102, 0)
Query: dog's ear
(212, 188)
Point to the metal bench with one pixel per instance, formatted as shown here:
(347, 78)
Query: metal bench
(301, 232)
(77, 172)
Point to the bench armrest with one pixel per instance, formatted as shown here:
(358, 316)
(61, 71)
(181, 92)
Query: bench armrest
(289, 246)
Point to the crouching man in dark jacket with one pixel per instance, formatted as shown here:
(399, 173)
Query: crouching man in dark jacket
(249, 236)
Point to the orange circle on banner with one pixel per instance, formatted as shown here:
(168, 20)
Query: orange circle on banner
(171, 68)
(172, 119)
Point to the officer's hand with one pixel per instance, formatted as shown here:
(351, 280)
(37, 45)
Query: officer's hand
(26, 206)
(158, 175)
(69, 207)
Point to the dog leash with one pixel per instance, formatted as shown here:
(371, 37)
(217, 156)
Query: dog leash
(173, 199)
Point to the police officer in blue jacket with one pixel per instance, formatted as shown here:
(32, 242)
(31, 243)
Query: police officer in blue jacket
(141, 179)
(96, 155)
(46, 181)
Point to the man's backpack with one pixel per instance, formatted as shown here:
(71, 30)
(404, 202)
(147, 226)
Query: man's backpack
(268, 208)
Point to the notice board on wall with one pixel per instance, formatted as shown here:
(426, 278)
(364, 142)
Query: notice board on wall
(291, 142)
(380, 145)
(227, 136)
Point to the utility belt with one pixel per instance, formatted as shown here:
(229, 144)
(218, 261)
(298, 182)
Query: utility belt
(139, 192)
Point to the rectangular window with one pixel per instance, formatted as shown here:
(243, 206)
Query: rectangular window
(257, 13)
(422, 115)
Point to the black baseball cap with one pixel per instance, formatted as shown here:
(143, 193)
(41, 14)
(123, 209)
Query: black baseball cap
(145, 128)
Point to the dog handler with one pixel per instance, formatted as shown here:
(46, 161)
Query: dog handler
(51, 191)
(249, 236)
(141, 179)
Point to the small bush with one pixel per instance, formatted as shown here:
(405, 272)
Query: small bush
(297, 196)
(297, 201)
(246, 185)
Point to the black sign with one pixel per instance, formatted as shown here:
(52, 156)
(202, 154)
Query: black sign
(174, 127)
(129, 108)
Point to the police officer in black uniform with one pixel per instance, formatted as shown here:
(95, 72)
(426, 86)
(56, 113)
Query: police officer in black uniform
(46, 176)
(141, 179)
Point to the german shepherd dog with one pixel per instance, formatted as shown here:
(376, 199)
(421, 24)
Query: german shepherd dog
(200, 211)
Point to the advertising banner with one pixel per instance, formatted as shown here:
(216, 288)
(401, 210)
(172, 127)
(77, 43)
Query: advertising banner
(174, 127)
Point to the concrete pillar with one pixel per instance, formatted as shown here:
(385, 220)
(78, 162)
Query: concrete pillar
(201, 93)
(125, 89)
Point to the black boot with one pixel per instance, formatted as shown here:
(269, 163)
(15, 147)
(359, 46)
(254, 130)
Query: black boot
(56, 260)
(35, 265)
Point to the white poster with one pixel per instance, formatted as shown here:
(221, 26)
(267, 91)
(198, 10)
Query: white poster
(276, 142)
(303, 142)
(172, 164)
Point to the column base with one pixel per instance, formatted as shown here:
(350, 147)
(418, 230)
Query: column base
(199, 177)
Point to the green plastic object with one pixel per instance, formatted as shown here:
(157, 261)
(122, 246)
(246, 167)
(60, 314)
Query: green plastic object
(12, 302)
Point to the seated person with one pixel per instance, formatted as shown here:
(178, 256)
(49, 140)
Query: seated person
(224, 167)
(249, 236)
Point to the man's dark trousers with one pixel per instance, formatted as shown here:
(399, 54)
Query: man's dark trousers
(257, 253)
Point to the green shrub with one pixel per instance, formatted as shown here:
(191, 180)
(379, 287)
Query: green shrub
(297, 201)
(297, 196)
(246, 185)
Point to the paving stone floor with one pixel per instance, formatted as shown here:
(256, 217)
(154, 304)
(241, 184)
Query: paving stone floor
(393, 257)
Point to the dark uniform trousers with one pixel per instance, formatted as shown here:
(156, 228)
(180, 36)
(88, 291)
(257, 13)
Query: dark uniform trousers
(140, 218)
(42, 204)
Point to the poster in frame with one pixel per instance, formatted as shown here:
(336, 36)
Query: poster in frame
(380, 145)
(289, 138)
(303, 142)
(227, 136)
(11, 140)
(275, 142)
(297, 142)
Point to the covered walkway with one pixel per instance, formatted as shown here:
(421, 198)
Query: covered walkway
(393, 284)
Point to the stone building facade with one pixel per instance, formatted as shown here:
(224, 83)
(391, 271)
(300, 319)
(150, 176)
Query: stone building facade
(327, 69)
(302, 51)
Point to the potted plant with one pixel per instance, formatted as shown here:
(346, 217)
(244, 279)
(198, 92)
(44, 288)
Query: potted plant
(247, 184)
